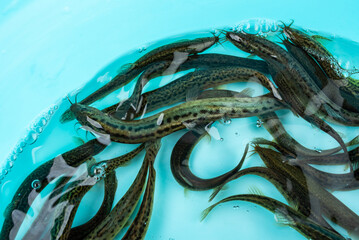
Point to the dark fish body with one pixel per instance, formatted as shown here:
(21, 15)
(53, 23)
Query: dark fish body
(294, 84)
(120, 214)
(288, 215)
(173, 119)
(349, 87)
(331, 207)
(83, 230)
(180, 164)
(44, 174)
(139, 226)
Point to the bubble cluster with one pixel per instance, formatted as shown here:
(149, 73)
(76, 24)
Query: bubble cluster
(98, 171)
(259, 123)
(35, 129)
(257, 26)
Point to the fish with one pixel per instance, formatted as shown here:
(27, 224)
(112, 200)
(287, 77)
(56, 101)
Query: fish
(318, 75)
(330, 206)
(139, 226)
(292, 191)
(174, 119)
(43, 175)
(331, 181)
(285, 215)
(102, 167)
(121, 212)
(336, 159)
(274, 126)
(294, 84)
(72, 199)
(83, 230)
(166, 52)
(196, 82)
(180, 163)
(348, 86)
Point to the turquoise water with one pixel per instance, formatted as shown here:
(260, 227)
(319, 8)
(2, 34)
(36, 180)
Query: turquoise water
(176, 213)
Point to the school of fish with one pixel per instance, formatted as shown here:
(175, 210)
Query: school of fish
(300, 75)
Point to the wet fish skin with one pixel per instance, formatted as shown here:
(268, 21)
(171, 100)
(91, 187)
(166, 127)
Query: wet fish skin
(139, 226)
(348, 86)
(120, 214)
(331, 207)
(294, 219)
(165, 52)
(180, 164)
(294, 84)
(21, 200)
(173, 119)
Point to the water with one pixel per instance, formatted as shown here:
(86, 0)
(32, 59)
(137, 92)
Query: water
(176, 213)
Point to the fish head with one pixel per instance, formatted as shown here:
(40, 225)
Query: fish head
(254, 44)
(86, 115)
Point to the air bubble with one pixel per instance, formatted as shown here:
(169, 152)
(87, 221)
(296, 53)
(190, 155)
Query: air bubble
(42, 122)
(227, 121)
(4, 171)
(99, 171)
(10, 164)
(36, 184)
(19, 149)
(31, 137)
(50, 112)
(14, 157)
(259, 123)
(265, 28)
(56, 107)
(221, 139)
(318, 150)
(236, 207)
(252, 27)
(39, 129)
(104, 165)
(274, 27)
(142, 49)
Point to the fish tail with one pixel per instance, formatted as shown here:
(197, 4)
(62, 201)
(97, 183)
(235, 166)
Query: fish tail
(215, 192)
(205, 212)
(329, 130)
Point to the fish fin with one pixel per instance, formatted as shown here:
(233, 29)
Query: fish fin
(331, 112)
(354, 141)
(206, 211)
(255, 191)
(216, 191)
(125, 68)
(185, 192)
(318, 37)
(79, 141)
(282, 218)
(251, 56)
(225, 187)
(341, 134)
(67, 116)
(247, 92)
